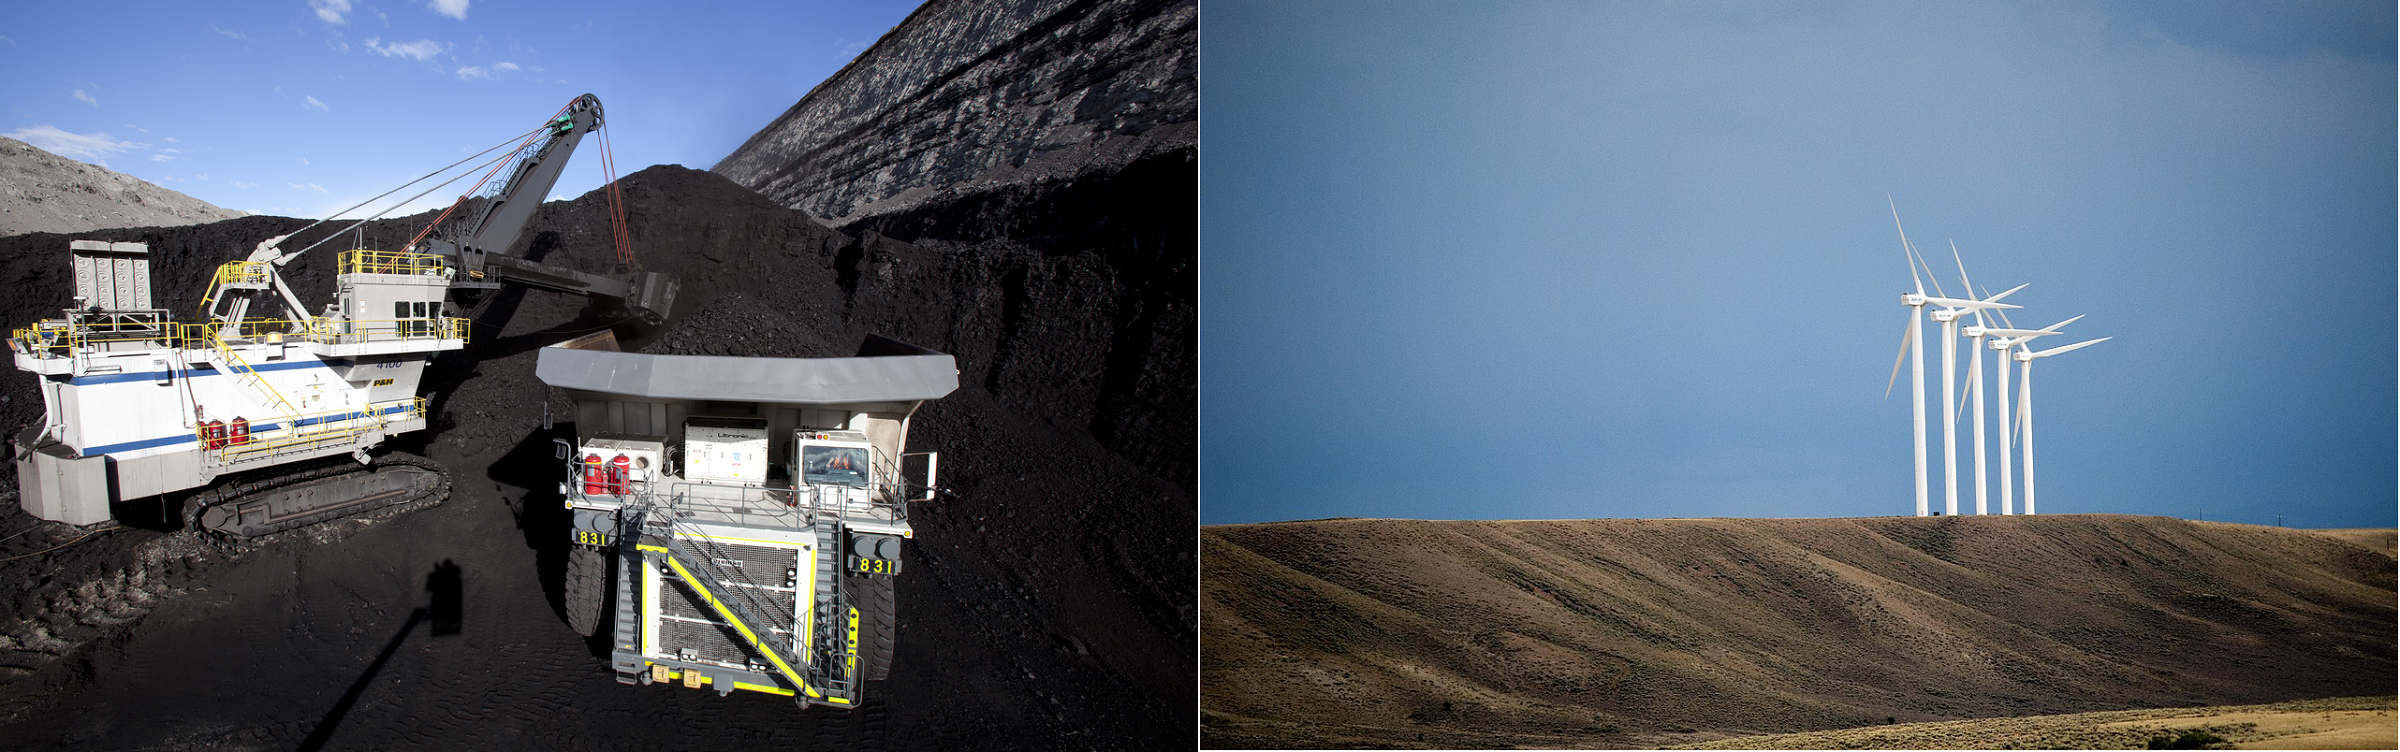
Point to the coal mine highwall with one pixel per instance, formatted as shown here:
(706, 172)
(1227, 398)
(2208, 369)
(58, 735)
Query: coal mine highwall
(966, 95)
(1038, 162)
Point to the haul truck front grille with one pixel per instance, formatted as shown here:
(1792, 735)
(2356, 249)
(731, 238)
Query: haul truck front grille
(687, 605)
(688, 628)
(706, 641)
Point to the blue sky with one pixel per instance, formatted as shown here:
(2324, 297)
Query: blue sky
(304, 107)
(1566, 260)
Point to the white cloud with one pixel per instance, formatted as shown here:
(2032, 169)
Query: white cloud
(139, 128)
(471, 72)
(229, 33)
(11, 42)
(420, 50)
(331, 11)
(86, 97)
(453, 8)
(162, 157)
(202, 176)
(89, 148)
(170, 139)
(316, 105)
(318, 188)
(244, 186)
(304, 161)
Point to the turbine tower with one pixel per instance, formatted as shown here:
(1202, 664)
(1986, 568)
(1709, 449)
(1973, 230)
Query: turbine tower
(2025, 403)
(1949, 319)
(1912, 350)
(1974, 379)
(2002, 341)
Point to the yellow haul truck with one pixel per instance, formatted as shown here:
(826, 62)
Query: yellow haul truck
(748, 514)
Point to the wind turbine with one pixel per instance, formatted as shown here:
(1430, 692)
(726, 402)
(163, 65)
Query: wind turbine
(1912, 349)
(2002, 340)
(1949, 319)
(1974, 378)
(2025, 360)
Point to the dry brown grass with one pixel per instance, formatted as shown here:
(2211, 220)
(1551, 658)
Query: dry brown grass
(2379, 538)
(1581, 633)
(2338, 723)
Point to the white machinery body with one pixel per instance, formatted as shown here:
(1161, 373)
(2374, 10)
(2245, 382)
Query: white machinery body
(725, 450)
(130, 397)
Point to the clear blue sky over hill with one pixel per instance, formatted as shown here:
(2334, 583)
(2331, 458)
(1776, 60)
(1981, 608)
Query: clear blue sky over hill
(303, 107)
(1520, 260)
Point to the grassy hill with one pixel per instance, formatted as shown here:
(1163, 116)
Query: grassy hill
(1651, 632)
(2336, 723)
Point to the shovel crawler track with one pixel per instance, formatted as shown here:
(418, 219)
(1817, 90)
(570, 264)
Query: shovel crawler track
(245, 509)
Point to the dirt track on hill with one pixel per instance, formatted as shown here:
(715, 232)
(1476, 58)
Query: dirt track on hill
(1646, 632)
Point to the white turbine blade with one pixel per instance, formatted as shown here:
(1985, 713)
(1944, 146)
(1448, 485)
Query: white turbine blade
(1887, 386)
(2024, 413)
(1936, 279)
(1973, 378)
(1966, 303)
(2054, 327)
(1904, 246)
(1967, 284)
(1987, 295)
(2078, 345)
(2011, 291)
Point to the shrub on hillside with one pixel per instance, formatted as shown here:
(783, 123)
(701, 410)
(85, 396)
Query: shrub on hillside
(2190, 739)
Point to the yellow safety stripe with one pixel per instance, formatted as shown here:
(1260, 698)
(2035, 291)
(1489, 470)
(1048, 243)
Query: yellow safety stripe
(758, 688)
(727, 612)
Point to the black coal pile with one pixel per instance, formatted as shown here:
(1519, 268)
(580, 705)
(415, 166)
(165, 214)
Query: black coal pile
(1048, 605)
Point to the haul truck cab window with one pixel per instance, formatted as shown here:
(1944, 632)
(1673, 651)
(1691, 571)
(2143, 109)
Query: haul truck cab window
(845, 466)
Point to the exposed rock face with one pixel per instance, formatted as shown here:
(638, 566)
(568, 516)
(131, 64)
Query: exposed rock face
(45, 192)
(1047, 151)
(969, 95)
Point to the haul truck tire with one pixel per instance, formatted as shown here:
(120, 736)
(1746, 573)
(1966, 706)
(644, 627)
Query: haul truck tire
(878, 624)
(587, 588)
